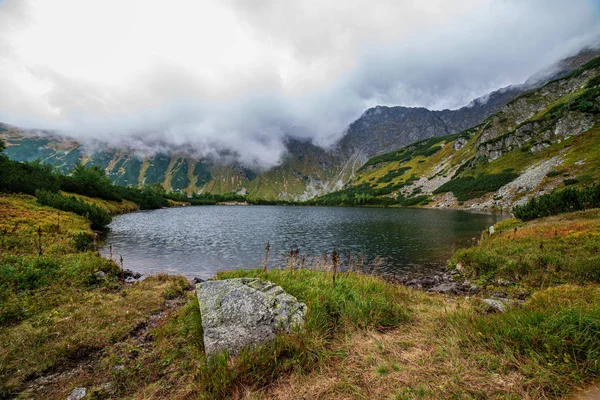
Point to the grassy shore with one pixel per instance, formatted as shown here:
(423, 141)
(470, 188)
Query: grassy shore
(54, 307)
(113, 207)
(63, 327)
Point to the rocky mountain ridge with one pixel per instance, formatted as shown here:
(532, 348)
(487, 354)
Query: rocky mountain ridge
(544, 139)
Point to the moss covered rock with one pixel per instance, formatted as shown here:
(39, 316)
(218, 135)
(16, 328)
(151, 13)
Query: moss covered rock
(237, 313)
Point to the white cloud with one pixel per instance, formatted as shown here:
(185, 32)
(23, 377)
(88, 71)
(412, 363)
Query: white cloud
(239, 75)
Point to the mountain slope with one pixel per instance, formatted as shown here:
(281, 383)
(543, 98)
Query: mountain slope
(305, 171)
(544, 139)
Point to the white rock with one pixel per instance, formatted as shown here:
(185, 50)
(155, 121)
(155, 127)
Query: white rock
(77, 394)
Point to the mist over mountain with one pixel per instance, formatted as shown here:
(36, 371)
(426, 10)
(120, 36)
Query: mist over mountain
(236, 79)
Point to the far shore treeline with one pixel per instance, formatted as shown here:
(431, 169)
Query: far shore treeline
(57, 190)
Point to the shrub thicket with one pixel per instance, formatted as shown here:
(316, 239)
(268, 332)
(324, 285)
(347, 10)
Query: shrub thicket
(91, 182)
(99, 217)
(393, 174)
(83, 241)
(470, 187)
(559, 201)
(17, 177)
(149, 197)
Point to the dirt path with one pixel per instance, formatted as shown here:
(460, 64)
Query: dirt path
(50, 383)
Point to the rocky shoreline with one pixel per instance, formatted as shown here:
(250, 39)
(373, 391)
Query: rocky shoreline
(446, 281)
(451, 282)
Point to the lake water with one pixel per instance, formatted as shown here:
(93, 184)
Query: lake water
(198, 241)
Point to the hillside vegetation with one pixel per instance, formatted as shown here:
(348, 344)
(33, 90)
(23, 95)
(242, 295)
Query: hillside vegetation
(544, 139)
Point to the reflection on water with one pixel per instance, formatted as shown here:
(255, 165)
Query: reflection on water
(198, 241)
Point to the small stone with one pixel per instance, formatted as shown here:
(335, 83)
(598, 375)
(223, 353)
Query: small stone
(127, 273)
(502, 282)
(77, 394)
(495, 305)
(100, 275)
(444, 288)
(108, 387)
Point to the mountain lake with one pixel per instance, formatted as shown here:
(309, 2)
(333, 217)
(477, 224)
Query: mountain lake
(199, 241)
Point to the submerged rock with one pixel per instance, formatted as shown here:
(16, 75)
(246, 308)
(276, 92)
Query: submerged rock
(237, 313)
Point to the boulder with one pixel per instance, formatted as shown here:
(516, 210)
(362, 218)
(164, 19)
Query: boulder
(243, 312)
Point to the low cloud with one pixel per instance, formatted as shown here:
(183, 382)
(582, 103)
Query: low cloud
(237, 77)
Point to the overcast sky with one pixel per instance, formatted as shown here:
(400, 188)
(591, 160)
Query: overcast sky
(239, 75)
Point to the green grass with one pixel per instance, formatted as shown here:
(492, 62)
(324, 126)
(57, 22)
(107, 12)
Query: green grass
(425, 148)
(32, 284)
(363, 337)
(353, 301)
(68, 329)
(553, 339)
(539, 254)
(53, 307)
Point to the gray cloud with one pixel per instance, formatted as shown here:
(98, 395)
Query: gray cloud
(266, 69)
